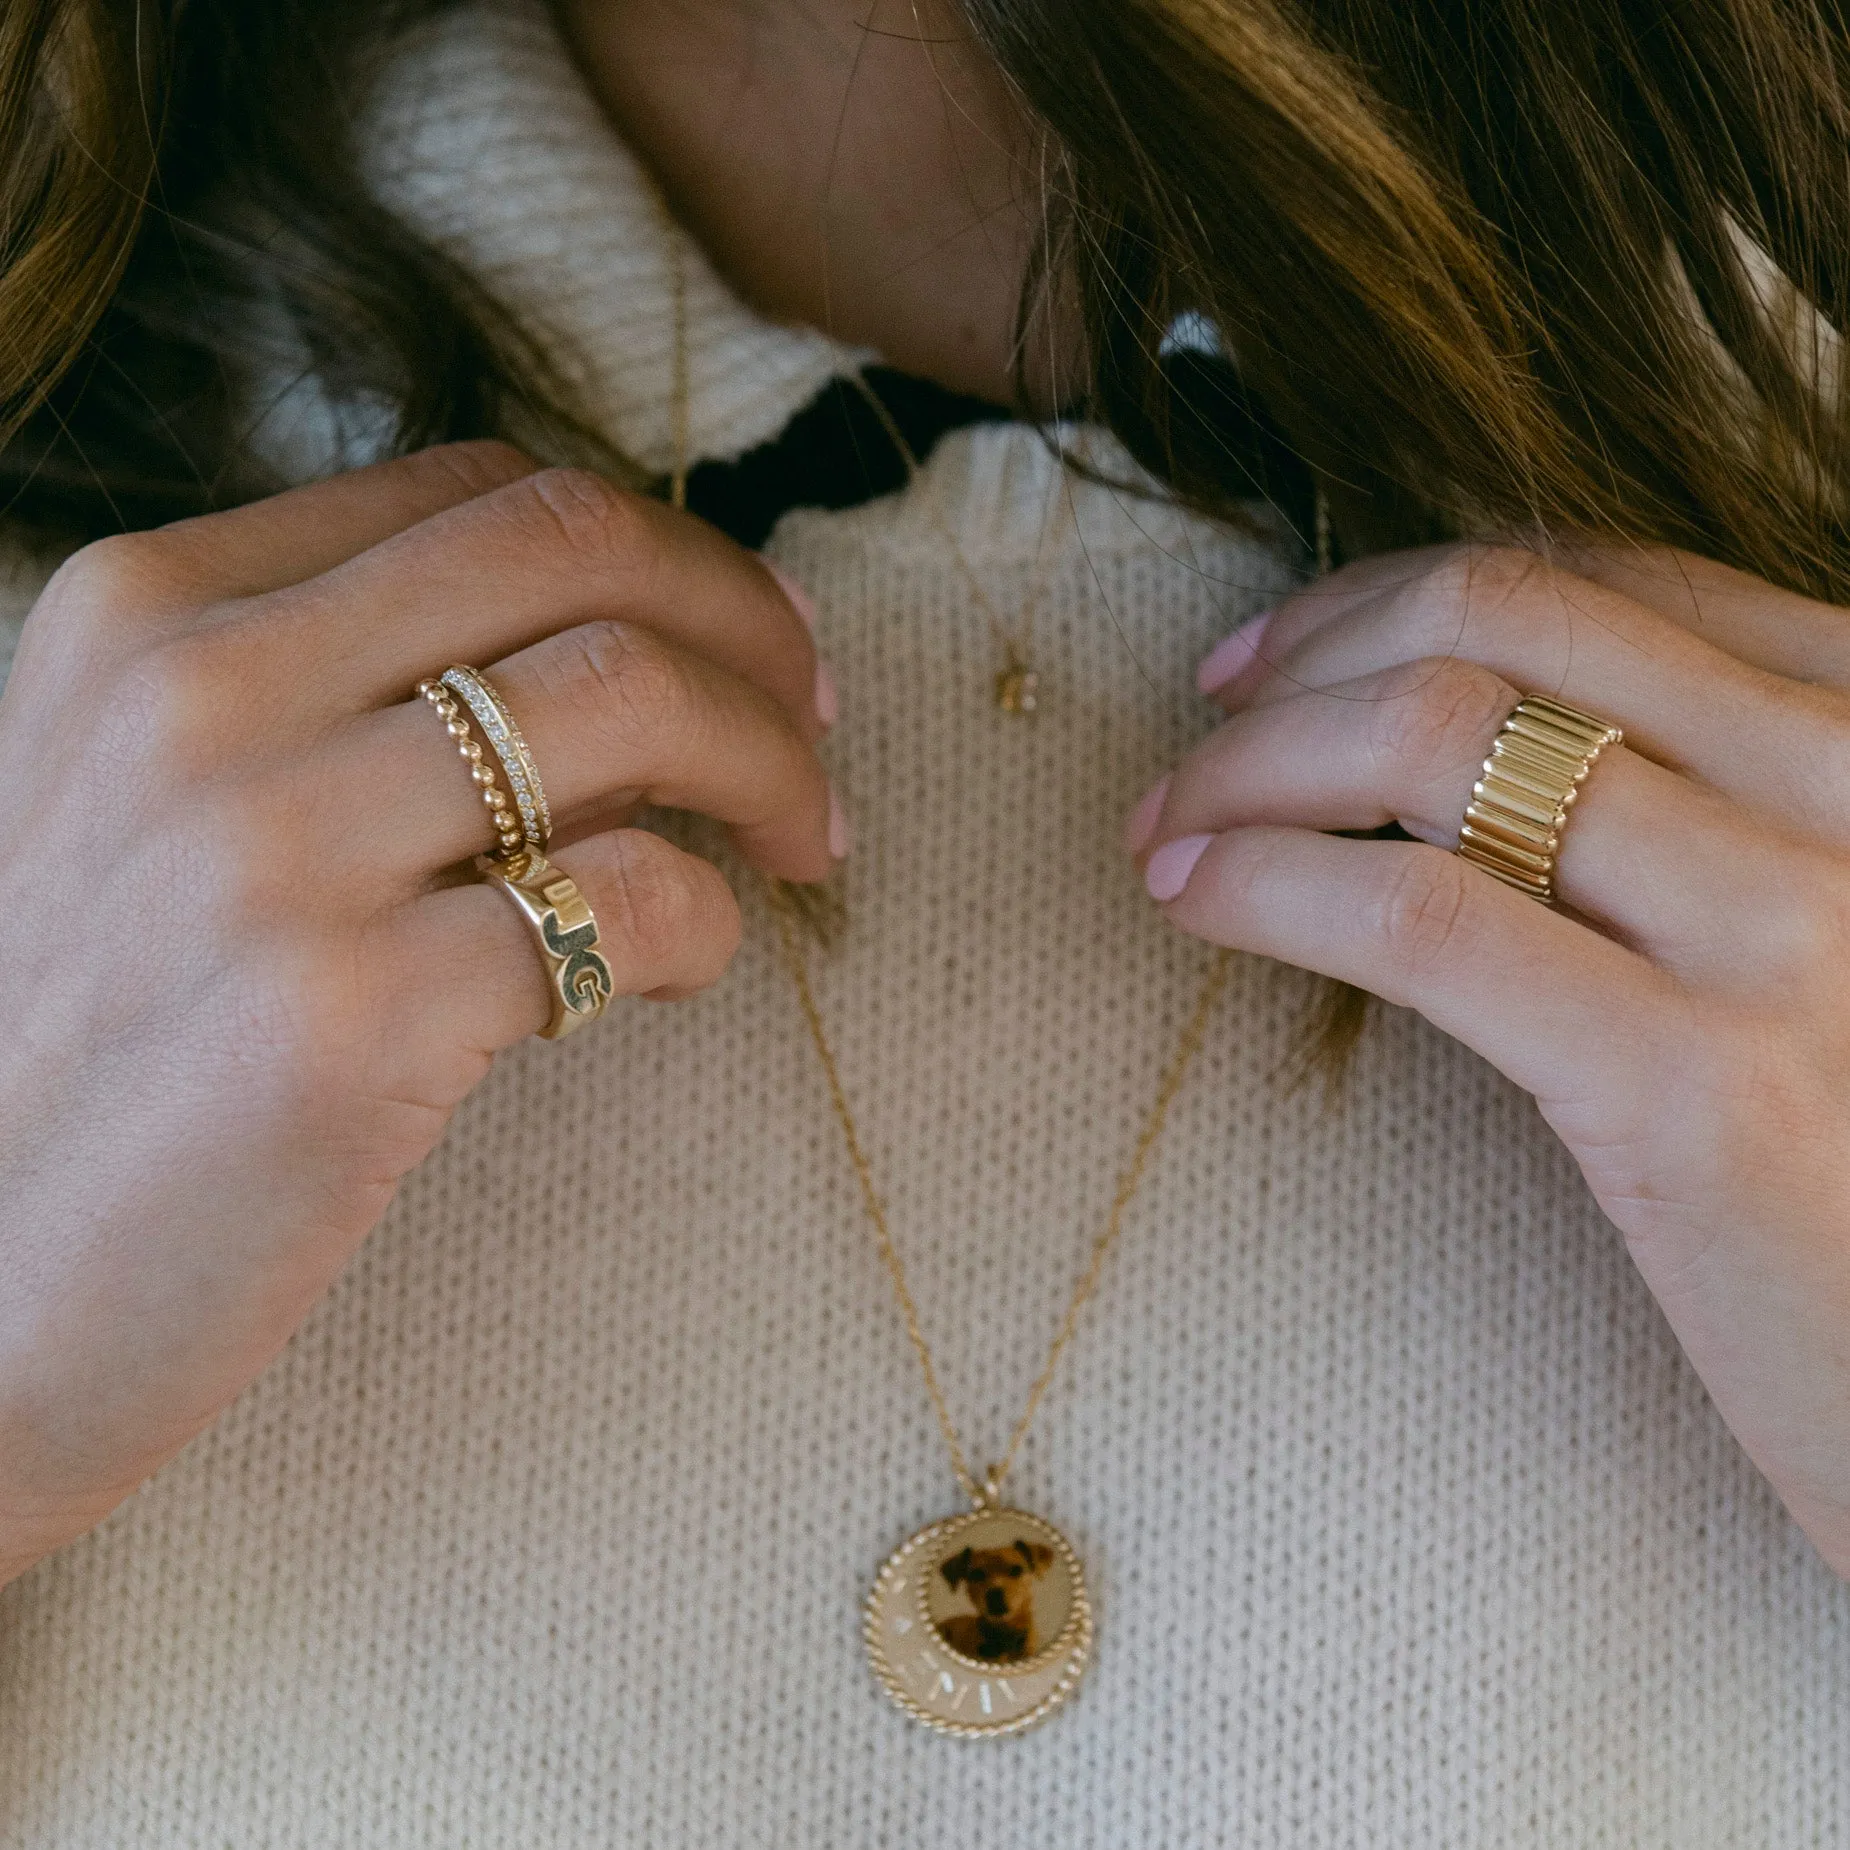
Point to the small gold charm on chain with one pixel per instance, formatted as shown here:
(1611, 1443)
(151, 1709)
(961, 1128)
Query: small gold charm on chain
(1017, 686)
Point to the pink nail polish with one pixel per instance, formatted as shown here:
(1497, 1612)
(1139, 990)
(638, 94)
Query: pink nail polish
(800, 600)
(828, 701)
(1142, 821)
(1172, 864)
(841, 834)
(1231, 654)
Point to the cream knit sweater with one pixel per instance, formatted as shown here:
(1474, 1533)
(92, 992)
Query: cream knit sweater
(1407, 1521)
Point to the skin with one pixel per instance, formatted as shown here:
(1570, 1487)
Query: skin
(893, 188)
(1684, 1022)
(245, 994)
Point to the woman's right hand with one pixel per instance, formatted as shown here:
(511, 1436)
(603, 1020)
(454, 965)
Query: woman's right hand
(243, 987)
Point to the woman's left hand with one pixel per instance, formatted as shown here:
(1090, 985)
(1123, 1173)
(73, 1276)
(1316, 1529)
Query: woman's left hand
(1684, 1020)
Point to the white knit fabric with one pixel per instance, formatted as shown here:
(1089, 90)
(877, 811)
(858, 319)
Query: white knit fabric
(558, 218)
(1408, 1523)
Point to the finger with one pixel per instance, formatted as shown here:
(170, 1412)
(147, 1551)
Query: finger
(1677, 871)
(1244, 660)
(1766, 741)
(614, 715)
(471, 975)
(304, 532)
(197, 573)
(1778, 630)
(556, 549)
(1760, 624)
(1556, 1007)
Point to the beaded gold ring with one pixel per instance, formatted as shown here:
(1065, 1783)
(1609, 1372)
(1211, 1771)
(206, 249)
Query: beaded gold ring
(510, 835)
(523, 819)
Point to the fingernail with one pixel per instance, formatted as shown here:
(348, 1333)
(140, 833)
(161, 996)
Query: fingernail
(1171, 865)
(1142, 821)
(800, 600)
(1231, 654)
(841, 835)
(828, 701)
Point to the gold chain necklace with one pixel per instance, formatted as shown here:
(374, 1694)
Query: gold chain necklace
(980, 1624)
(1017, 683)
(787, 915)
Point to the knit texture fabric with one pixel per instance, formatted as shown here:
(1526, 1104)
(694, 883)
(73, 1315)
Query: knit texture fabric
(1407, 1522)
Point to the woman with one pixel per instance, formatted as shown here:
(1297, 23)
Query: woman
(1409, 1517)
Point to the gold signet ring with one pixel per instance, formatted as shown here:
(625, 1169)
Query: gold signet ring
(1518, 808)
(566, 933)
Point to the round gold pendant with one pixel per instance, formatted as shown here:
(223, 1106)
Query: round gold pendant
(980, 1624)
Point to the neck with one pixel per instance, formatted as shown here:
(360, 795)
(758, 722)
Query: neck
(857, 165)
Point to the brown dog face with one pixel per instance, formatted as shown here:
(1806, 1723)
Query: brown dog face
(999, 1582)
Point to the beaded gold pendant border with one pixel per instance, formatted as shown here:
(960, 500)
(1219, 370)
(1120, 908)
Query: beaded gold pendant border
(945, 1689)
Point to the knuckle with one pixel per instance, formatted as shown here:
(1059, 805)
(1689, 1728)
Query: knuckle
(169, 711)
(479, 464)
(1487, 573)
(1249, 866)
(1445, 720)
(1466, 582)
(675, 912)
(104, 588)
(615, 673)
(712, 946)
(1423, 911)
(594, 519)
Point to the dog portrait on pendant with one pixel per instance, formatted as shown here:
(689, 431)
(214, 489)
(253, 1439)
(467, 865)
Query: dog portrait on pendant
(1001, 1595)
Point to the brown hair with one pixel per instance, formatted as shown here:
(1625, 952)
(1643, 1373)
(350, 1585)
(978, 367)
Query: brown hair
(1504, 265)
(1499, 265)
(1516, 267)
(177, 187)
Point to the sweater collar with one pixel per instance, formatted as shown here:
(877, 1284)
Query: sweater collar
(483, 137)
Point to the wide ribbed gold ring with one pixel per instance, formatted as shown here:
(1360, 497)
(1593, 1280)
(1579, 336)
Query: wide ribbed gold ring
(1518, 808)
(523, 819)
(565, 931)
